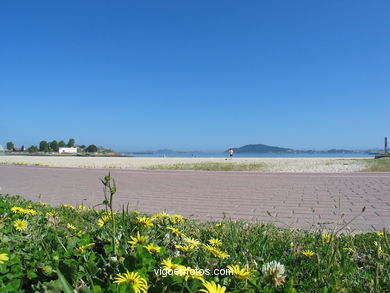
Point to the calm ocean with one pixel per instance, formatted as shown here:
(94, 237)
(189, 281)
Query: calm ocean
(219, 155)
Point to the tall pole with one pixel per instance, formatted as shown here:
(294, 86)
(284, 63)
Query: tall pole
(385, 145)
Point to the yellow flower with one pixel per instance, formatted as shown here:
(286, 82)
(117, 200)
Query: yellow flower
(193, 274)
(308, 253)
(68, 206)
(3, 258)
(103, 221)
(169, 265)
(82, 248)
(211, 287)
(70, 227)
(238, 273)
(43, 204)
(218, 225)
(349, 249)
(139, 284)
(216, 252)
(138, 240)
(29, 212)
(144, 222)
(152, 249)
(187, 248)
(136, 212)
(327, 238)
(215, 242)
(175, 231)
(52, 214)
(20, 225)
(192, 241)
(380, 234)
(16, 210)
(176, 219)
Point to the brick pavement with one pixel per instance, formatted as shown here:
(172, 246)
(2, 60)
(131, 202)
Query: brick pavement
(300, 200)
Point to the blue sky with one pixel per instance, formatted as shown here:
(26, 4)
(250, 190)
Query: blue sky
(196, 75)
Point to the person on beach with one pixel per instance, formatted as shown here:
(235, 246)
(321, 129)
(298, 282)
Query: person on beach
(231, 152)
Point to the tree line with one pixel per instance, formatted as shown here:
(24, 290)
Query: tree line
(52, 146)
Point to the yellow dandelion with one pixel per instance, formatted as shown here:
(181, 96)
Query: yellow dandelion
(144, 222)
(218, 225)
(215, 242)
(139, 284)
(103, 221)
(138, 240)
(192, 241)
(175, 231)
(186, 248)
(216, 252)
(308, 253)
(20, 225)
(68, 206)
(152, 249)
(176, 219)
(212, 287)
(3, 257)
(16, 210)
(380, 234)
(81, 249)
(327, 238)
(240, 273)
(70, 227)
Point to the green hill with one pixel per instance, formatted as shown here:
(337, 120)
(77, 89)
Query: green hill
(261, 149)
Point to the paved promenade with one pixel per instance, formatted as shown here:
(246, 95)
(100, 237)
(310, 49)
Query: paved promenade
(295, 199)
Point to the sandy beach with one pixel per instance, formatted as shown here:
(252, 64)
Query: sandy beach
(331, 165)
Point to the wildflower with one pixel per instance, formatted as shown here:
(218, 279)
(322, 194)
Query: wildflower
(169, 265)
(152, 249)
(103, 221)
(216, 252)
(70, 227)
(68, 206)
(192, 241)
(193, 274)
(176, 219)
(238, 273)
(218, 225)
(43, 204)
(175, 231)
(136, 212)
(20, 225)
(273, 273)
(30, 212)
(211, 287)
(82, 248)
(51, 214)
(138, 283)
(349, 249)
(138, 240)
(186, 248)
(144, 221)
(3, 258)
(16, 210)
(327, 238)
(215, 242)
(308, 253)
(380, 234)
(81, 207)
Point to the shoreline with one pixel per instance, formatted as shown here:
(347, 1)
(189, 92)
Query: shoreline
(305, 165)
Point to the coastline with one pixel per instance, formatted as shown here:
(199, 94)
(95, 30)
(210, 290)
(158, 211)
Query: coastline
(309, 165)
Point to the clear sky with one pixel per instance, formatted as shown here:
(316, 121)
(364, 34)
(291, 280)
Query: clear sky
(196, 75)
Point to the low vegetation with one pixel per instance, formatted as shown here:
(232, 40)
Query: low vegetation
(378, 165)
(78, 249)
(227, 166)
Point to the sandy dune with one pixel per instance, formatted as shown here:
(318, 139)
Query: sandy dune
(271, 164)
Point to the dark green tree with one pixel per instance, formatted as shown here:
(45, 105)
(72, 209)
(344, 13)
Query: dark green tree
(92, 148)
(54, 146)
(10, 145)
(22, 148)
(43, 146)
(71, 142)
(61, 144)
(32, 149)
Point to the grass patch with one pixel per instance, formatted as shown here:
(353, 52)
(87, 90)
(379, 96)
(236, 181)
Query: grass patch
(228, 166)
(77, 249)
(377, 165)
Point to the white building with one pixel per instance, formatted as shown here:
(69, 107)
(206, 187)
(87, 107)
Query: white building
(67, 150)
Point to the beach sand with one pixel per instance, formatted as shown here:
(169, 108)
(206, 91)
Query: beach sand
(332, 165)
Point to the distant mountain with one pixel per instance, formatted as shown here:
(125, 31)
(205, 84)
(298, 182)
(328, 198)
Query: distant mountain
(261, 149)
(267, 149)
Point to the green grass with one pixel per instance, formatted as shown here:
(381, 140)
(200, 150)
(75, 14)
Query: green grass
(377, 165)
(228, 166)
(51, 256)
